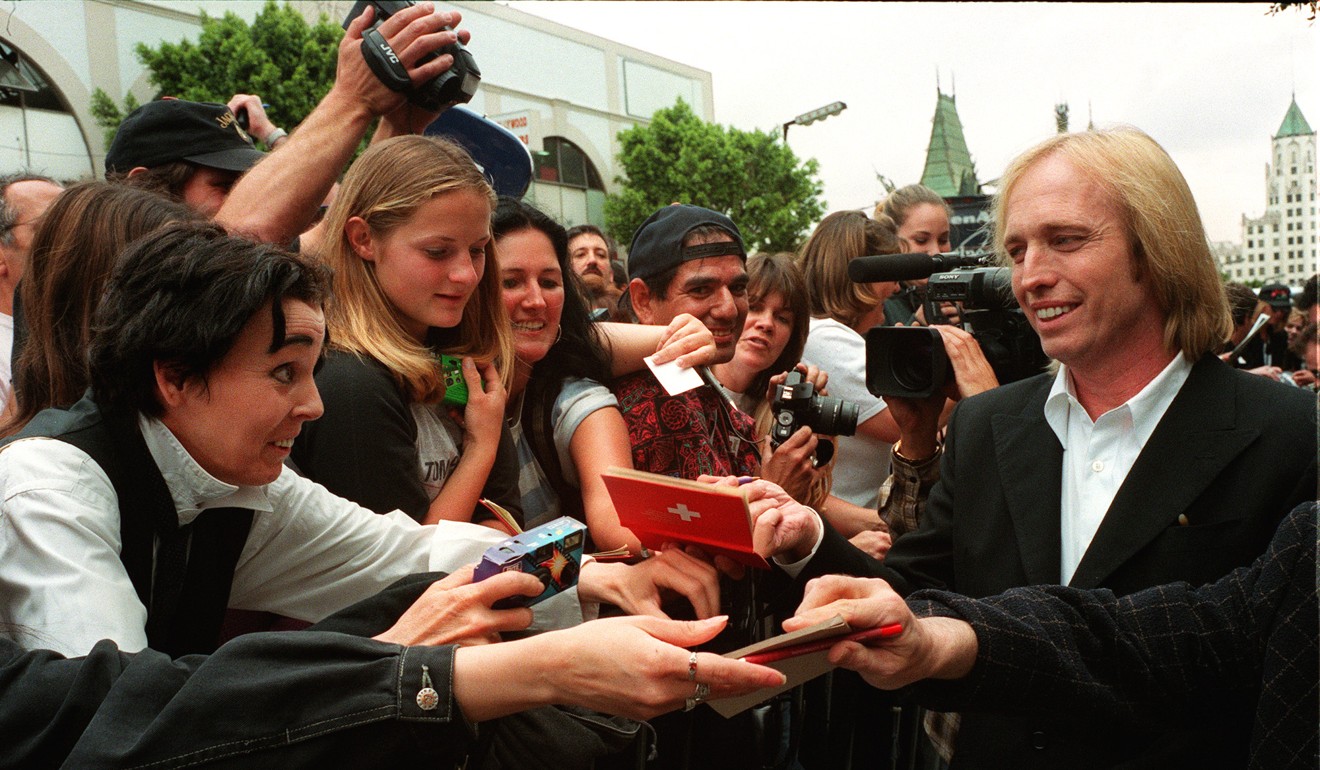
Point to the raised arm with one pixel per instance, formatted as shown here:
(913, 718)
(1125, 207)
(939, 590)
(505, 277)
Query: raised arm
(279, 197)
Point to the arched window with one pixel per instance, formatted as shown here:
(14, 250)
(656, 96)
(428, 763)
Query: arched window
(38, 130)
(562, 162)
(567, 185)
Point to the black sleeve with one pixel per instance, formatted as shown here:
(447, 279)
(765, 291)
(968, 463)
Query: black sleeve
(295, 697)
(1163, 651)
(364, 447)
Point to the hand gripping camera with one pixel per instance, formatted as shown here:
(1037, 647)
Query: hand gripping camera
(457, 85)
(796, 403)
(551, 552)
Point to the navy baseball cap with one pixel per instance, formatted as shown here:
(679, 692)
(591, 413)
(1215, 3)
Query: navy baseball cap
(170, 130)
(657, 246)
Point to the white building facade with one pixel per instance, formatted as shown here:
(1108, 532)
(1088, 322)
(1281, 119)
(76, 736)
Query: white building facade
(566, 93)
(1280, 246)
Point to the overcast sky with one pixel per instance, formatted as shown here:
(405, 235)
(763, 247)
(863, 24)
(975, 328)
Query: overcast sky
(1211, 82)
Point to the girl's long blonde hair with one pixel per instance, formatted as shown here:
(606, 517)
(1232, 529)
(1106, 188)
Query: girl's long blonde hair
(385, 187)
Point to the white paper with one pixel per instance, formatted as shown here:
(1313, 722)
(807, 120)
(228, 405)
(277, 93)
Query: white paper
(673, 379)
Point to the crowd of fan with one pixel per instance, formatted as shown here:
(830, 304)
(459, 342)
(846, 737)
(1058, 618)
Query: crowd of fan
(235, 497)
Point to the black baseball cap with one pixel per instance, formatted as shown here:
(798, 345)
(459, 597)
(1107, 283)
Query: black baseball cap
(657, 246)
(170, 130)
(1276, 295)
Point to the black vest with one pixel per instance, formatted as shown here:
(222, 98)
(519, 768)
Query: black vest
(146, 512)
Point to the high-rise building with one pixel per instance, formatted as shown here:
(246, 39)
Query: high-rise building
(1280, 246)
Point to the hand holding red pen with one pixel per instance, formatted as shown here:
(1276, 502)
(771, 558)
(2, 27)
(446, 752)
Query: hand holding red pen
(925, 648)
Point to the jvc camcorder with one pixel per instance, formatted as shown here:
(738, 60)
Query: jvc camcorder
(457, 85)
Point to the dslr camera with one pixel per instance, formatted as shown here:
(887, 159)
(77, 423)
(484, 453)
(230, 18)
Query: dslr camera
(796, 403)
(911, 361)
(457, 85)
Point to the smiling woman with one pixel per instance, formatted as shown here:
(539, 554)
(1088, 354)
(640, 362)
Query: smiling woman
(409, 240)
(168, 482)
(567, 423)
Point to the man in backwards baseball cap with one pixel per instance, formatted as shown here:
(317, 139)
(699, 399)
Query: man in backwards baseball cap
(689, 259)
(191, 151)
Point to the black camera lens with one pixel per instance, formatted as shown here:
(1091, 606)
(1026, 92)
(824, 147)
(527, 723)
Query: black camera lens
(911, 362)
(835, 417)
(907, 361)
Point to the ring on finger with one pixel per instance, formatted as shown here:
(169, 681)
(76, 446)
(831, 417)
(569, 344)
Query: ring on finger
(698, 697)
(692, 667)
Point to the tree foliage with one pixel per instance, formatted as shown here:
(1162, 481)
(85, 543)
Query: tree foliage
(749, 175)
(289, 63)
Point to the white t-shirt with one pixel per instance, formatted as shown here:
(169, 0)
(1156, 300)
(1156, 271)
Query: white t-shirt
(863, 462)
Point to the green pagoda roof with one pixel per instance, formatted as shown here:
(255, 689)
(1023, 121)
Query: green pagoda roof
(949, 169)
(1294, 124)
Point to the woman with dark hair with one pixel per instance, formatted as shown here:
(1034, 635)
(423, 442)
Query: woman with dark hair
(567, 424)
(73, 252)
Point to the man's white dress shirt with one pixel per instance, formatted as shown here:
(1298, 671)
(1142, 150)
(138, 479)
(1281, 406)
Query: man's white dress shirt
(1097, 455)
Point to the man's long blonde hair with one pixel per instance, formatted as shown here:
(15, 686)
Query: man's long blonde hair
(1169, 245)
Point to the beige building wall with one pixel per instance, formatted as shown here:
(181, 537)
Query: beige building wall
(566, 93)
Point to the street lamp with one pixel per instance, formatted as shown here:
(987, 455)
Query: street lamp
(807, 118)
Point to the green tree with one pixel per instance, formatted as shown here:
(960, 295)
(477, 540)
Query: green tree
(289, 63)
(749, 175)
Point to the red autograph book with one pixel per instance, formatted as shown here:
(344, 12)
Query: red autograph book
(661, 509)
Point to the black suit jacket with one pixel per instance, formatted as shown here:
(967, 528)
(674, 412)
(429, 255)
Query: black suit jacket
(1233, 454)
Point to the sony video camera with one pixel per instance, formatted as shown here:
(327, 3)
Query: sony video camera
(796, 403)
(551, 552)
(911, 361)
(456, 85)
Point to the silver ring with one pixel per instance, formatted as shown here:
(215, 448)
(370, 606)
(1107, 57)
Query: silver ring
(692, 667)
(698, 697)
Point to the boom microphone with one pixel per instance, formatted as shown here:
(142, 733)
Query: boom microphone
(905, 267)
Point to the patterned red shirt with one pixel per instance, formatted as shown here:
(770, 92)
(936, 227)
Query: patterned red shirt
(686, 435)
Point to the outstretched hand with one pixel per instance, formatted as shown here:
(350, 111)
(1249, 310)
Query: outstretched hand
(688, 341)
(940, 648)
(455, 610)
(640, 589)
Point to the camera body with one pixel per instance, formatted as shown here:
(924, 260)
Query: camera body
(796, 403)
(457, 85)
(912, 363)
(551, 552)
(456, 390)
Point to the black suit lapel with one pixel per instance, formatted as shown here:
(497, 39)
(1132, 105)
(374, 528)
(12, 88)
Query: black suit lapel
(1191, 445)
(1030, 461)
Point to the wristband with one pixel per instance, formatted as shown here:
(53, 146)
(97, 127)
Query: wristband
(273, 137)
(897, 446)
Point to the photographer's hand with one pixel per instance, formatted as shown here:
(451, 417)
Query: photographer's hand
(791, 465)
(972, 373)
(259, 125)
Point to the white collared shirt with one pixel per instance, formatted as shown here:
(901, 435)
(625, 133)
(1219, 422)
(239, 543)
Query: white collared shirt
(309, 553)
(1097, 455)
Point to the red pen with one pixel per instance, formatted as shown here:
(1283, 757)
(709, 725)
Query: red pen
(883, 632)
